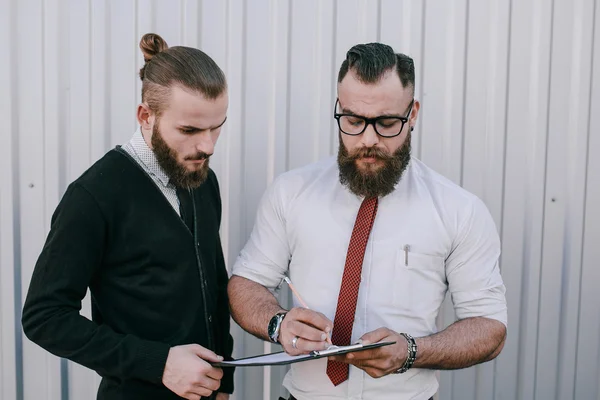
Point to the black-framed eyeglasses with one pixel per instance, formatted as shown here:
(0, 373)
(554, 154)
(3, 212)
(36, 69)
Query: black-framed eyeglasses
(385, 126)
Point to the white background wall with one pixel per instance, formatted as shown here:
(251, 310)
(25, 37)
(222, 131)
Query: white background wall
(510, 93)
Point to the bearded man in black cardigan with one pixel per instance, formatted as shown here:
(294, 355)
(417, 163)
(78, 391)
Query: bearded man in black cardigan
(140, 229)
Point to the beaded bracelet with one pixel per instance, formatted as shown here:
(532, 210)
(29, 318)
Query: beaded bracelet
(411, 354)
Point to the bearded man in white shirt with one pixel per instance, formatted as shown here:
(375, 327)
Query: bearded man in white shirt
(372, 241)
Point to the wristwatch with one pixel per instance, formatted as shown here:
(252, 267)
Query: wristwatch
(275, 326)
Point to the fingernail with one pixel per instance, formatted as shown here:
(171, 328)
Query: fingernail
(327, 329)
(324, 336)
(359, 341)
(220, 358)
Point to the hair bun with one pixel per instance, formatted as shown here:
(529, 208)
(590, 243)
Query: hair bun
(152, 44)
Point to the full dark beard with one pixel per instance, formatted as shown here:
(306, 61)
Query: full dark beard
(178, 173)
(373, 183)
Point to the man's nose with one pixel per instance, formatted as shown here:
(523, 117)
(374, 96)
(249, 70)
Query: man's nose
(205, 143)
(369, 137)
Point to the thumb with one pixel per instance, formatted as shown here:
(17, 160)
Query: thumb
(374, 336)
(205, 353)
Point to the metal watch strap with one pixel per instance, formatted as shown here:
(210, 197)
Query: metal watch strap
(411, 354)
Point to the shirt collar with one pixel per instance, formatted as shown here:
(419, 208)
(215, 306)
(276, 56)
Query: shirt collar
(147, 157)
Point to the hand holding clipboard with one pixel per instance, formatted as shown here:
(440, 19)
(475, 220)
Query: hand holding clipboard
(282, 358)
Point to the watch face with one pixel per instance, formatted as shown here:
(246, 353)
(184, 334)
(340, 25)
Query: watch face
(273, 328)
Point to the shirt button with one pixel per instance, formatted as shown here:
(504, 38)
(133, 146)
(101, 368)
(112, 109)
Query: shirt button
(210, 318)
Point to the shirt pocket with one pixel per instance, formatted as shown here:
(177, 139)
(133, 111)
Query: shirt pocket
(420, 281)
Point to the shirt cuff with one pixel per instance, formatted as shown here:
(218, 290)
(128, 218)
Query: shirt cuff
(259, 277)
(488, 303)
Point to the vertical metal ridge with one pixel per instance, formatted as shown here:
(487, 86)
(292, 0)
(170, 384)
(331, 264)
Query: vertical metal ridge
(569, 270)
(379, 20)
(506, 116)
(17, 276)
(422, 70)
(43, 97)
(153, 13)
(199, 27)
(272, 97)
(545, 180)
(244, 227)
(136, 41)
(182, 25)
(464, 94)
(288, 95)
(64, 367)
(89, 83)
(332, 125)
(108, 77)
(585, 180)
(504, 163)
(225, 192)
(62, 107)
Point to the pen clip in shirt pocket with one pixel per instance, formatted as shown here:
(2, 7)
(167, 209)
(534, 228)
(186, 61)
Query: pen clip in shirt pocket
(419, 279)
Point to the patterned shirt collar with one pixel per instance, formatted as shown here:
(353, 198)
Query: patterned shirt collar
(147, 157)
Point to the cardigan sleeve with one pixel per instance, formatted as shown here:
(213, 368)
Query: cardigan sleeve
(71, 256)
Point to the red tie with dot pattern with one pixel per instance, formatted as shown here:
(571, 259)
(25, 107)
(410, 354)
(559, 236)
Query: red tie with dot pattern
(346, 306)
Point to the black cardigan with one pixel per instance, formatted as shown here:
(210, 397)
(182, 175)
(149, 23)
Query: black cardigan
(153, 285)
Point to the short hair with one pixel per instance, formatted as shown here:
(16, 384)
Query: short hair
(166, 66)
(371, 61)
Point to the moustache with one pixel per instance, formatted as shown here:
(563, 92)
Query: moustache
(370, 152)
(198, 156)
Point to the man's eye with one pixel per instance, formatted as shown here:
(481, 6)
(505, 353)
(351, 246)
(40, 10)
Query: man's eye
(388, 122)
(189, 130)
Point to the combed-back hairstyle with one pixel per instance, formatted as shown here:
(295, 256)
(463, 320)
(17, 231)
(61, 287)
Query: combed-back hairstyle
(166, 66)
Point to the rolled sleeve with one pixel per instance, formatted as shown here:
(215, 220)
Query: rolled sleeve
(472, 268)
(265, 257)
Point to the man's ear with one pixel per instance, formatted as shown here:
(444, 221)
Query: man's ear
(145, 116)
(414, 113)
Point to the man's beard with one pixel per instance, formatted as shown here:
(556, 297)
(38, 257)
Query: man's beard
(178, 174)
(376, 183)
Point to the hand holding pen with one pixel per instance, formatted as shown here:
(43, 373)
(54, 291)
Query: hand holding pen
(311, 318)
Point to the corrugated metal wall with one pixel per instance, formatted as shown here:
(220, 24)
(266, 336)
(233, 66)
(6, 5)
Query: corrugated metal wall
(510, 95)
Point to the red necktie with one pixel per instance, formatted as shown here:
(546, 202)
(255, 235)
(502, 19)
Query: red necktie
(346, 306)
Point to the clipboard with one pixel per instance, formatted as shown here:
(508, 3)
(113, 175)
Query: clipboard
(282, 358)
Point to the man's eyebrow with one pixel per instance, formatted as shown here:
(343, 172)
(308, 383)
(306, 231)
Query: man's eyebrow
(387, 115)
(349, 111)
(195, 128)
(189, 128)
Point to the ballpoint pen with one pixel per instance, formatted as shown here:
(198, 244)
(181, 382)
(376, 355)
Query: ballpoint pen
(289, 282)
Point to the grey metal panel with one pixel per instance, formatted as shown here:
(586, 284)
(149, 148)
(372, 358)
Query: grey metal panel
(442, 126)
(523, 197)
(565, 191)
(483, 158)
(10, 355)
(41, 377)
(587, 384)
(510, 105)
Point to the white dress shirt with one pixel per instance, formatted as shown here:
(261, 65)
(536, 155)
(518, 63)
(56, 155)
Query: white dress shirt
(139, 150)
(429, 236)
